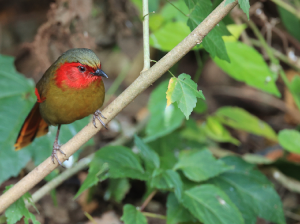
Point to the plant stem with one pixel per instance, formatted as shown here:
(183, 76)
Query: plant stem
(287, 7)
(148, 199)
(146, 79)
(146, 36)
(274, 61)
(83, 163)
(116, 84)
(153, 215)
(90, 217)
(277, 54)
(200, 66)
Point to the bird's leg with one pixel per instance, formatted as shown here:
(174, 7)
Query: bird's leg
(56, 147)
(96, 115)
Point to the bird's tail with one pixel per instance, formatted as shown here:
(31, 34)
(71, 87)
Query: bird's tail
(33, 126)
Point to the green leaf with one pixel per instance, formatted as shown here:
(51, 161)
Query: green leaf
(176, 212)
(247, 65)
(239, 118)
(18, 210)
(169, 35)
(290, 140)
(252, 193)
(210, 205)
(295, 87)
(16, 100)
(117, 189)
(217, 132)
(236, 30)
(245, 6)
(165, 147)
(132, 216)
(167, 180)
(149, 155)
(163, 120)
(201, 106)
(290, 21)
(97, 173)
(200, 165)
(185, 93)
(122, 162)
(213, 42)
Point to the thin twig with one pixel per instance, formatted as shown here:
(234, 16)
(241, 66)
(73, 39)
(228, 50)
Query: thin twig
(274, 61)
(116, 84)
(146, 36)
(90, 217)
(114, 108)
(153, 215)
(287, 7)
(289, 183)
(83, 163)
(148, 199)
(278, 55)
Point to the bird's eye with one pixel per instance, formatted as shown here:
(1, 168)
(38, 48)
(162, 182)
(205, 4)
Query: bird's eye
(81, 68)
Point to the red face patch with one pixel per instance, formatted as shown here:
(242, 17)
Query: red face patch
(75, 75)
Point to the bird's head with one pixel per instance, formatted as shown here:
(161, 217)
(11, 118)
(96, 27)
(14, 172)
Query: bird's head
(78, 68)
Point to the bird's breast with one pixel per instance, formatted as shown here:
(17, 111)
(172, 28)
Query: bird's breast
(64, 105)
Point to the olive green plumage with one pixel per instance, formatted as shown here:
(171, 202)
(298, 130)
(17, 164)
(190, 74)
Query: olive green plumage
(64, 105)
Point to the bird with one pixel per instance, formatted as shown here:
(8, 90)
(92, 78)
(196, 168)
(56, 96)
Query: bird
(70, 89)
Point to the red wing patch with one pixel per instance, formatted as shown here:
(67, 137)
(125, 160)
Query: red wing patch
(39, 99)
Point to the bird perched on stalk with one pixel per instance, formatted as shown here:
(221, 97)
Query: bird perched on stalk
(71, 89)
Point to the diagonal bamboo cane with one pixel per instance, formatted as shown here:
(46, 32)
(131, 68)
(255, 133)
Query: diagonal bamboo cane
(140, 84)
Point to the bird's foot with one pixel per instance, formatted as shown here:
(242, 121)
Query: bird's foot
(97, 115)
(56, 147)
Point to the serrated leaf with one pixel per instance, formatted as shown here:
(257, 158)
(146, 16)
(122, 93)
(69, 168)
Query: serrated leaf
(290, 140)
(167, 180)
(200, 165)
(176, 212)
(211, 205)
(149, 155)
(239, 118)
(217, 132)
(122, 162)
(18, 210)
(163, 120)
(213, 42)
(132, 216)
(247, 65)
(117, 189)
(16, 100)
(252, 193)
(185, 93)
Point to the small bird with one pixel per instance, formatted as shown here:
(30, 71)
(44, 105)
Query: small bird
(71, 89)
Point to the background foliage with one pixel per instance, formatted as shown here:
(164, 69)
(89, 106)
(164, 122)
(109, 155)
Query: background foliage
(178, 155)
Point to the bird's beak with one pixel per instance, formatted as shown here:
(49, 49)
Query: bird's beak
(99, 72)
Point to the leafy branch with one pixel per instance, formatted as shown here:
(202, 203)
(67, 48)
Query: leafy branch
(140, 84)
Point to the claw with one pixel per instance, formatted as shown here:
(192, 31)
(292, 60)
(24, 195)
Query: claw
(96, 115)
(56, 147)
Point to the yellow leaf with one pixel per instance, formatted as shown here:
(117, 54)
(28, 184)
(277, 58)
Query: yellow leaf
(236, 31)
(170, 90)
